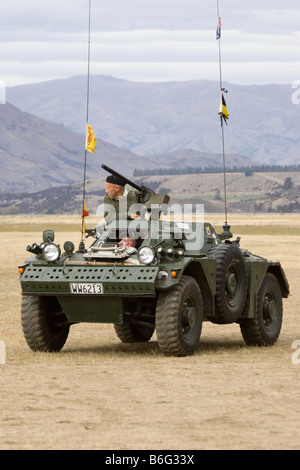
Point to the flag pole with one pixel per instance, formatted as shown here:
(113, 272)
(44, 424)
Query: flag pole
(81, 245)
(223, 117)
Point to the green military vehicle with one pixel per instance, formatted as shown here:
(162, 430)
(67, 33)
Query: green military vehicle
(177, 275)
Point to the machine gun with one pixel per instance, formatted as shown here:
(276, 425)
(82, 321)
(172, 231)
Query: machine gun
(144, 194)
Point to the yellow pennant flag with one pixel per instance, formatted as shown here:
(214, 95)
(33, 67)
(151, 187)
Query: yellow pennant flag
(85, 212)
(90, 139)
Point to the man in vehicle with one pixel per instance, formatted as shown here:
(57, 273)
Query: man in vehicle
(118, 201)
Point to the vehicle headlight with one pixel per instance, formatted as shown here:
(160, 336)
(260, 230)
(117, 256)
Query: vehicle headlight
(51, 252)
(146, 255)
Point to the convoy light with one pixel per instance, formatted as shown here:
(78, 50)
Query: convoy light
(51, 252)
(160, 250)
(179, 253)
(170, 251)
(146, 254)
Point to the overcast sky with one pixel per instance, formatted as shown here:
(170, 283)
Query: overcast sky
(150, 40)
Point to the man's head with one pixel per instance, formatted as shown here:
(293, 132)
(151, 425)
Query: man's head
(114, 187)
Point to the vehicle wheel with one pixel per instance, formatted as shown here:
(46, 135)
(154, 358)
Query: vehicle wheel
(264, 329)
(43, 323)
(131, 333)
(179, 315)
(231, 282)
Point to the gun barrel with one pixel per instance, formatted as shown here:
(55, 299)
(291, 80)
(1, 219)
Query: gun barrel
(126, 180)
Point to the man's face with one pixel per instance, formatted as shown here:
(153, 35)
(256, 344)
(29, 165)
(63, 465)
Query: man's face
(112, 190)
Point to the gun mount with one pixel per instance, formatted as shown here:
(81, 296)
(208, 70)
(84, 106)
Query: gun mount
(144, 195)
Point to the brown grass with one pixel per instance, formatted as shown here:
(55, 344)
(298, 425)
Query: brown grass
(98, 393)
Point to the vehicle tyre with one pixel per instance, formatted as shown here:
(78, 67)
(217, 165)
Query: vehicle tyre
(179, 316)
(264, 329)
(44, 324)
(131, 333)
(231, 282)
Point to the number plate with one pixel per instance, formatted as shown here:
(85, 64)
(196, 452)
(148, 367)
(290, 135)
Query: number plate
(86, 288)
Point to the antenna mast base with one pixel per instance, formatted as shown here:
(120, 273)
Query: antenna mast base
(81, 247)
(226, 234)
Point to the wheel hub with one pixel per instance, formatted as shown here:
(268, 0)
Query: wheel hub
(270, 309)
(189, 317)
(192, 317)
(231, 284)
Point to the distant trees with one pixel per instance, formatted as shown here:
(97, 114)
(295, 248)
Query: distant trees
(218, 196)
(288, 183)
(247, 170)
(10, 210)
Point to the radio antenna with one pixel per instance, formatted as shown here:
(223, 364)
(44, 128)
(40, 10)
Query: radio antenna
(90, 141)
(224, 115)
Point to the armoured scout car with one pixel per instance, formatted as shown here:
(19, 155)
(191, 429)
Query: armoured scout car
(177, 275)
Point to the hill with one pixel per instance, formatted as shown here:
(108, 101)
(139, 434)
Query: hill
(260, 192)
(155, 118)
(36, 154)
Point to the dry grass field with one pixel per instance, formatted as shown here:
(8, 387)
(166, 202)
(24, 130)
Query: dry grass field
(98, 393)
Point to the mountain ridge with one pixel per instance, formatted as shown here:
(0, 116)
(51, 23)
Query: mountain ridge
(155, 118)
(36, 154)
(259, 192)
